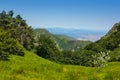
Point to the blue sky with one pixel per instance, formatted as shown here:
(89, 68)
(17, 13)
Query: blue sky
(82, 14)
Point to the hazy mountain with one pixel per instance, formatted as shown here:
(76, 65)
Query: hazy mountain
(79, 34)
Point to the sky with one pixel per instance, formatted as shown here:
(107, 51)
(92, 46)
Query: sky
(78, 14)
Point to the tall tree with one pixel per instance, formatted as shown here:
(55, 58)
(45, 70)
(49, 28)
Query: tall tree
(10, 13)
(18, 17)
(3, 14)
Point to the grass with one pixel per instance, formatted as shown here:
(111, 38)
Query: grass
(33, 67)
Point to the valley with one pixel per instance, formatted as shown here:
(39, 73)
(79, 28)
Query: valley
(37, 54)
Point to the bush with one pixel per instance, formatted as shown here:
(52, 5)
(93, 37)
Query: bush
(85, 58)
(14, 47)
(115, 55)
(9, 46)
(47, 48)
(3, 55)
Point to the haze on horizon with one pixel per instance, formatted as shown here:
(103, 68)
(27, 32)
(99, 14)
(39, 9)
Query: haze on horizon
(80, 14)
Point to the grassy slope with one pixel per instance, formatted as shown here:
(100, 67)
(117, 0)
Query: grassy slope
(32, 67)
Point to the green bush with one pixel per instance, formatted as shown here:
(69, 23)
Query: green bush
(115, 55)
(3, 55)
(9, 46)
(17, 28)
(85, 58)
(14, 47)
(47, 48)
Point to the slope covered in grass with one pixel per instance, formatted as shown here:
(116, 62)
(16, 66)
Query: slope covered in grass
(32, 67)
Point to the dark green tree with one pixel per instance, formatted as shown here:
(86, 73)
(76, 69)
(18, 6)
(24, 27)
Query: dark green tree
(10, 13)
(9, 46)
(18, 17)
(47, 48)
(3, 14)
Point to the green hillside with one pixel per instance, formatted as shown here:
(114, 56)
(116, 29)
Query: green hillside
(32, 67)
(40, 31)
(22, 50)
(109, 43)
(64, 42)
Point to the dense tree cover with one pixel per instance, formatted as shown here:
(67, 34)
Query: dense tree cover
(14, 35)
(110, 43)
(18, 28)
(9, 45)
(84, 58)
(64, 42)
(47, 48)
(115, 55)
(67, 44)
(96, 54)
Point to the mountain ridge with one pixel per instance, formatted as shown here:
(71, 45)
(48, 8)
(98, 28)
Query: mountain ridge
(65, 42)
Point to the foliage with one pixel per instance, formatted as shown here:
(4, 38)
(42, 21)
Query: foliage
(63, 41)
(17, 28)
(85, 58)
(110, 43)
(95, 47)
(47, 48)
(9, 46)
(14, 35)
(115, 55)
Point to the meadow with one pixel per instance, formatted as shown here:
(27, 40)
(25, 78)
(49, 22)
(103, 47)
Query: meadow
(33, 67)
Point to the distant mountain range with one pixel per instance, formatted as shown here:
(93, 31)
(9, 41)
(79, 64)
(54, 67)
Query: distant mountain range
(78, 34)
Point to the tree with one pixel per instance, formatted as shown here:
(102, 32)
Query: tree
(9, 46)
(3, 14)
(18, 29)
(14, 35)
(47, 48)
(18, 17)
(10, 13)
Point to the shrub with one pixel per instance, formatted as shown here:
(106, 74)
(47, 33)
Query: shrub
(9, 46)
(47, 48)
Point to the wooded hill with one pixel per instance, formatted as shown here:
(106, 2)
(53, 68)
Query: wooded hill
(63, 41)
(16, 37)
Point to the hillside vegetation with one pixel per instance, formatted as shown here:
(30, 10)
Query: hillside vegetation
(22, 50)
(109, 43)
(32, 67)
(15, 35)
(64, 42)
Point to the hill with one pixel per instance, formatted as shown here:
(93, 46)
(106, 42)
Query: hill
(109, 43)
(18, 62)
(65, 42)
(114, 29)
(32, 67)
(41, 31)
